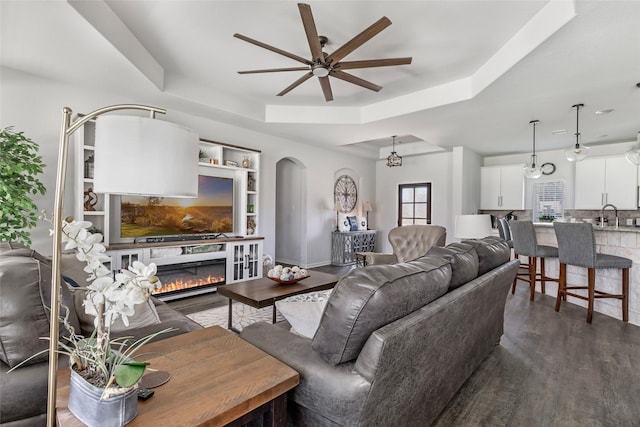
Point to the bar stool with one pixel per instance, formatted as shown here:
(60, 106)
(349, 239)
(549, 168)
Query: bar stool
(525, 243)
(577, 246)
(505, 234)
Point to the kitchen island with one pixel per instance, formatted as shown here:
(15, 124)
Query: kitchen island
(620, 241)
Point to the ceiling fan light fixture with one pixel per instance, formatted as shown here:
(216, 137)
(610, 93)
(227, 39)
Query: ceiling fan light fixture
(320, 70)
(532, 170)
(394, 159)
(580, 151)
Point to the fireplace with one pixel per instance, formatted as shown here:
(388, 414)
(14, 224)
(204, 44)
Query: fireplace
(190, 278)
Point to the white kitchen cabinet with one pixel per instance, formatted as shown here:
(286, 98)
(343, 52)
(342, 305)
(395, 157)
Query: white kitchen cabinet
(502, 187)
(605, 180)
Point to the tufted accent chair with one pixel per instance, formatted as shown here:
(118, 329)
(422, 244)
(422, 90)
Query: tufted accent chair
(409, 242)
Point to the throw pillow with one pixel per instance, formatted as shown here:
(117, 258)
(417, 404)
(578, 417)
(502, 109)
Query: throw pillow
(464, 262)
(362, 223)
(492, 252)
(145, 315)
(303, 316)
(343, 223)
(353, 223)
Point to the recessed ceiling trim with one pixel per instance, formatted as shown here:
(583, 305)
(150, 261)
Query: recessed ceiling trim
(100, 16)
(553, 16)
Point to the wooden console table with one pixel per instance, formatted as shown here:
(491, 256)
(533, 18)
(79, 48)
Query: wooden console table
(344, 245)
(217, 378)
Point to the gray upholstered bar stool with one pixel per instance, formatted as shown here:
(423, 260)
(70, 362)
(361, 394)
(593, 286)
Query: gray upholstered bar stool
(525, 243)
(505, 234)
(577, 246)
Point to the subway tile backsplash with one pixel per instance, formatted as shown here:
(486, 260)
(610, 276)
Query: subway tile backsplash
(578, 214)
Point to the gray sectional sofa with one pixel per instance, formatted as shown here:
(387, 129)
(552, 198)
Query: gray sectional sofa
(396, 342)
(25, 278)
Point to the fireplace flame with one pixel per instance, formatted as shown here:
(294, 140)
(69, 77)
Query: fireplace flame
(179, 285)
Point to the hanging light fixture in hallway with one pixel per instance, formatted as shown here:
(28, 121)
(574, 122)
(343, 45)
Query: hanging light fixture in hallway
(394, 159)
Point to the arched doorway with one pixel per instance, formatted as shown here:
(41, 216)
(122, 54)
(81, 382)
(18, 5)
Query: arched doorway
(291, 224)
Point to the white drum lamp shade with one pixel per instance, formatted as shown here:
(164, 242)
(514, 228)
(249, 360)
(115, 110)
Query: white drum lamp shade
(472, 226)
(145, 156)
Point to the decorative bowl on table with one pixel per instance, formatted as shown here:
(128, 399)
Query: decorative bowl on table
(287, 275)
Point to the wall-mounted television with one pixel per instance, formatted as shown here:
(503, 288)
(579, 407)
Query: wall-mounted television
(210, 213)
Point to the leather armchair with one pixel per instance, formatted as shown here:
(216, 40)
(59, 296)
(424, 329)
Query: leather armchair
(409, 242)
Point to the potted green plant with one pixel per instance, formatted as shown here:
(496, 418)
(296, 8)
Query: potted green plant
(20, 166)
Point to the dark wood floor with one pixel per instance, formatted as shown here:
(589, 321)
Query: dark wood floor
(550, 369)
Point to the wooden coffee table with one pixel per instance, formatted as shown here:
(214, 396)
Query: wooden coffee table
(217, 379)
(264, 292)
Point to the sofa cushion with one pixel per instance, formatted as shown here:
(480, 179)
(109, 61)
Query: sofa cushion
(463, 259)
(492, 252)
(25, 286)
(369, 298)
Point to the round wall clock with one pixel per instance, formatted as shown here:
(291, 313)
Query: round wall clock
(345, 193)
(548, 168)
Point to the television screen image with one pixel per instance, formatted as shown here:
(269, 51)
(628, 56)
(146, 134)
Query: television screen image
(210, 213)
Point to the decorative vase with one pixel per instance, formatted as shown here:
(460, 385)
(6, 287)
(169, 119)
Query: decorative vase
(246, 163)
(85, 404)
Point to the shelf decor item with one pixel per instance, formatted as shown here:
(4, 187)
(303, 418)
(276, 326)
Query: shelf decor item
(171, 148)
(287, 275)
(88, 167)
(246, 163)
(90, 200)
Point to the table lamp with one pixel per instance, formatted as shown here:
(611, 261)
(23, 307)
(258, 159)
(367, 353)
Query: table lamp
(472, 226)
(133, 155)
(367, 208)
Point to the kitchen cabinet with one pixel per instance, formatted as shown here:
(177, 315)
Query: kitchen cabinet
(603, 180)
(502, 187)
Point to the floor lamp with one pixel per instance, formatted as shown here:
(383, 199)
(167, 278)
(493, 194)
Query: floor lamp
(133, 155)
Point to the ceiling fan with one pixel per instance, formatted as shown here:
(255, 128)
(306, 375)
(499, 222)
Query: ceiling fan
(323, 65)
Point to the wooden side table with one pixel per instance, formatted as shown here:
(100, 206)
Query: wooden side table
(345, 245)
(217, 378)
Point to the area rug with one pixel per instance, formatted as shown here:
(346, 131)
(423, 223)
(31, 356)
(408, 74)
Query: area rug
(244, 315)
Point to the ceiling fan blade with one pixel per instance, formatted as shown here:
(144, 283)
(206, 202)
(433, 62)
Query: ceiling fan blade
(326, 88)
(359, 40)
(273, 49)
(355, 80)
(312, 32)
(369, 63)
(296, 83)
(274, 70)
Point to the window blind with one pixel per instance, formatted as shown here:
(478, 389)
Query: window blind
(548, 200)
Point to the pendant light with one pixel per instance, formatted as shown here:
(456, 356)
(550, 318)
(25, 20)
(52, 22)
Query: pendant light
(533, 171)
(633, 155)
(579, 152)
(394, 159)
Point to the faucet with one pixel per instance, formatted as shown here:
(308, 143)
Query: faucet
(602, 214)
